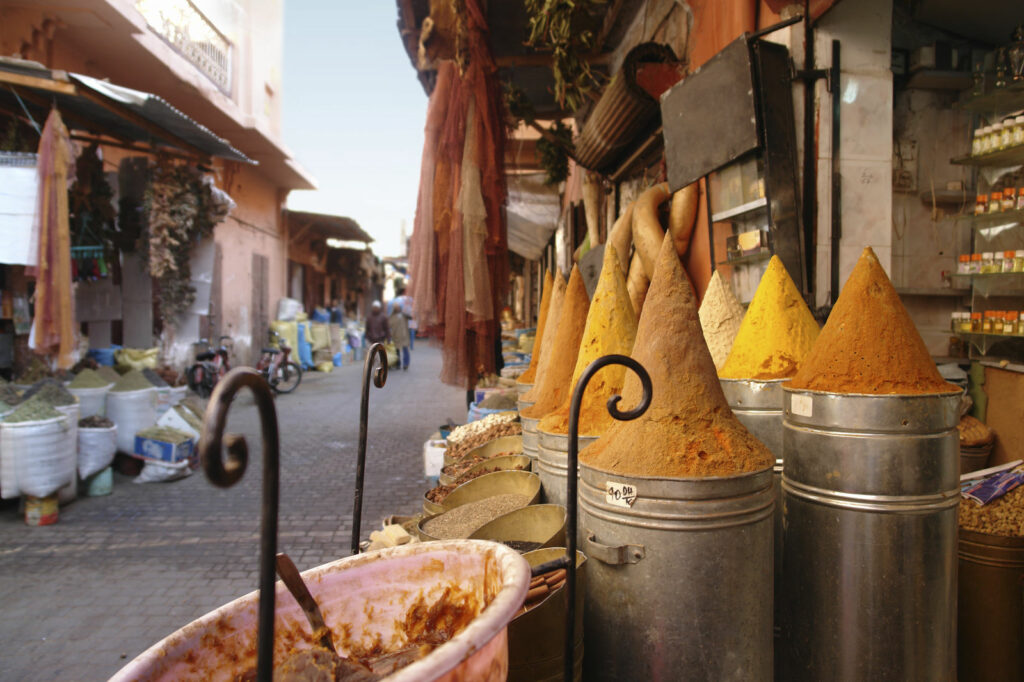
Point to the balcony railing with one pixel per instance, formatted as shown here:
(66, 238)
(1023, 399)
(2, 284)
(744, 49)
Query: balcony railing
(187, 29)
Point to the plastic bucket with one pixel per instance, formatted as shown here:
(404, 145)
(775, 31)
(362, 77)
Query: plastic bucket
(41, 511)
(99, 484)
(91, 401)
(366, 600)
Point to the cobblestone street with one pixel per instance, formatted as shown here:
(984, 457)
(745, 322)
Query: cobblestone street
(117, 573)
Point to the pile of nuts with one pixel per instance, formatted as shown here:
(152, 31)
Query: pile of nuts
(476, 433)
(1003, 516)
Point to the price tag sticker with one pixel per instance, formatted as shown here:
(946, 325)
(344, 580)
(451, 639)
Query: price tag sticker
(619, 494)
(802, 405)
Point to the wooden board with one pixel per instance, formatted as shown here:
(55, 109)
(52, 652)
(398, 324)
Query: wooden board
(1005, 414)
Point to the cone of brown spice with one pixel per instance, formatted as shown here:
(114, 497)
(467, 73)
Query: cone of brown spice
(869, 343)
(689, 430)
(553, 384)
(530, 374)
(548, 340)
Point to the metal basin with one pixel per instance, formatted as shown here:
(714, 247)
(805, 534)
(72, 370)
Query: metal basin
(498, 483)
(502, 463)
(541, 523)
(509, 444)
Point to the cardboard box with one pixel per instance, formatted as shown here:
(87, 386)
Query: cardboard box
(160, 451)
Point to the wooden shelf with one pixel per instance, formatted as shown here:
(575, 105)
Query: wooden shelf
(741, 210)
(980, 222)
(937, 79)
(1007, 157)
(937, 291)
(1004, 99)
(983, 342)
(747, 260)
(994, 283)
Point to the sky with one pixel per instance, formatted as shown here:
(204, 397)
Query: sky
(353, 114)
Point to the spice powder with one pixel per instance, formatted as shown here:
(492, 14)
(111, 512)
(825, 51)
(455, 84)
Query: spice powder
(869, 343)
(720, 316)
(528, 376)
(688, 431)
(611, 328)
(550, 331)
(777, 331)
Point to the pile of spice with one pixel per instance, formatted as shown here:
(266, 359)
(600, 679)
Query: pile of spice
(164, 434)
(468, 436)
(10, 396)
(869, 343)
(543, 585)
(500, 400)
(465, 519)
(132, 381)
(95, 422)
(108, 373)
(777, 332)
(611, 328)
(89, 378)
(33, 410)
(530, 374)
(1003, 516)
(547, 342)
(35, 371)
(155, 378)
(552, 386)
(465, 463)
(52, 391)
(688, 431)
(721, 314)
(440, 492)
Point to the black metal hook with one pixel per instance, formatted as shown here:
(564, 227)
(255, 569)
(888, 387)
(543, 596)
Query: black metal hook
(375, 352)
(226, 471)
(572, 464)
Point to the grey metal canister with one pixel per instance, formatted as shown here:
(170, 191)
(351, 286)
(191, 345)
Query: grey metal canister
(758, 406)
(870, 487)
(679, 578)
(551, 463)
(530, 437)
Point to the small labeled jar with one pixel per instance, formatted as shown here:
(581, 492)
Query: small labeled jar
(995, 137)
(1008, 260)
(1006, 135)
(963, 264)
(1018, 130)
(976, 141)
(980, 204)
(976, 323)
(1020, 324)
(954, 322)
(997, 263)
(988, 262)
(1010, 322)
(1020, 198)
(975, 263)
(986, 140)
(1018, 260)
(986, 323)
(995, 201)
(1009, 198)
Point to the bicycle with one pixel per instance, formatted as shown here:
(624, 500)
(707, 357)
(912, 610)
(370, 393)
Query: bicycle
(209, 367)
(281, 374)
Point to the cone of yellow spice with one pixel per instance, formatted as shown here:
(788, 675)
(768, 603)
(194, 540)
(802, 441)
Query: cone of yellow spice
(530, 374)
(688, 431)
(869, 343)
(548, 340)
(720, 316)
(553, 383)
(611, 328)
(777, 332)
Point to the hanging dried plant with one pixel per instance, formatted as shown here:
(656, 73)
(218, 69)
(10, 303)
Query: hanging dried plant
(555, 25)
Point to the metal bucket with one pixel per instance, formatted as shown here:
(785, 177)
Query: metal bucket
(990, 639)
(536, 639)
(758, 406)
(522, 388)
(551, 464)
(870, 488)
(679, 582)
(531, 436)
(540, 523)
(512, 444)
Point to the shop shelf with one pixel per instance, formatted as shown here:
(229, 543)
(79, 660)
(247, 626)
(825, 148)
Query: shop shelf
(939, 79)
(994, 284)
(1004, 99)
(989, 219)
(984, 342)
(1006, 157)
(952, 292)
(741, 210)
(746, 260)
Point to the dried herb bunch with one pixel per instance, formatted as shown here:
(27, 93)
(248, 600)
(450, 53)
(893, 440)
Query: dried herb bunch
(558, 25)
(90, 208)
(180, 210)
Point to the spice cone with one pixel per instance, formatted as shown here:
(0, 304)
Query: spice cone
(553, 384)
(611, 328)
(542, 318)
(720, 316)
(688, 431)
(777, 332)
(548, 340)
(869, 343)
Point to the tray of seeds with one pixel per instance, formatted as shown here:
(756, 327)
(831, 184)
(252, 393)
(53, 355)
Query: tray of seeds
(462, 521)
(526, 529)
(434, 497)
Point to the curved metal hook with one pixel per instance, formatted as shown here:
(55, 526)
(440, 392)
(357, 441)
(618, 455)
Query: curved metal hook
(374, 352)
(225, 472)
(571, 482)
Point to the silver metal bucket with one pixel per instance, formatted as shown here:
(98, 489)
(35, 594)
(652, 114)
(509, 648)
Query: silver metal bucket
(530, 437)
(552, 463)
(522, 388)
(679, 583)
(870, 488)
(758, 406)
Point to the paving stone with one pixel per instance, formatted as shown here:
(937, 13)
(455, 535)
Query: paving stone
(120, 572)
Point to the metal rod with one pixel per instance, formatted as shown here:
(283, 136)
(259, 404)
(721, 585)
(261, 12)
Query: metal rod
(375, 352)
(837, 184)
(571, 482)
(810, 176)
(775, 27)
(225, 471)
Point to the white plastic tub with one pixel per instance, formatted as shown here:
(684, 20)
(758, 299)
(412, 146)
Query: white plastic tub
(368, 597)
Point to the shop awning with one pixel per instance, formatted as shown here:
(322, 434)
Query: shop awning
(302, 223)
(101, 108)
(532, 213)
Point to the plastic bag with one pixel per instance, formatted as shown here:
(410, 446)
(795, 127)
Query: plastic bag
(40, 453)
(137, 358)
(158, 472)
(131, 411)
(96, 449)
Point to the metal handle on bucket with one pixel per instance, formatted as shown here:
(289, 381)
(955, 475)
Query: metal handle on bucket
(609, 554)
(226, 471)
(376, 351)
(572, 462)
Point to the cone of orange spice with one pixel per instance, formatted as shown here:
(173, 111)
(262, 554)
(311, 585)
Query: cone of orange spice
(688, 431)
(548, 340)
(553, 383)
(869, 343)
(611, 328)
(528, 376)
(776, 333)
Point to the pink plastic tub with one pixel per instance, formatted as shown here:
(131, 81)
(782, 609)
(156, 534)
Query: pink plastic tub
(366, 601)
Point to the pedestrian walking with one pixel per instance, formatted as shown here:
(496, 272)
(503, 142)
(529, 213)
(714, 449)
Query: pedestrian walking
(399, 327)
(377, 329)
(404, 301)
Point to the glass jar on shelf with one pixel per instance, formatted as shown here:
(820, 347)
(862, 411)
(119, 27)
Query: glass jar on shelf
(965, 322)
(1006, 134)
(997, 137)
(963, 264)
(1010, 322)
(997, 263)
(1018, 260)
(954, 322)
(995, 201)
(1009, 198)
(975, 263)
(1008, 260)
(986, 139)
(1020, 324)
(980, 204)
(986, 323)
(988, 262)
(1018, 130)
(976, 323)
(976, 141)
